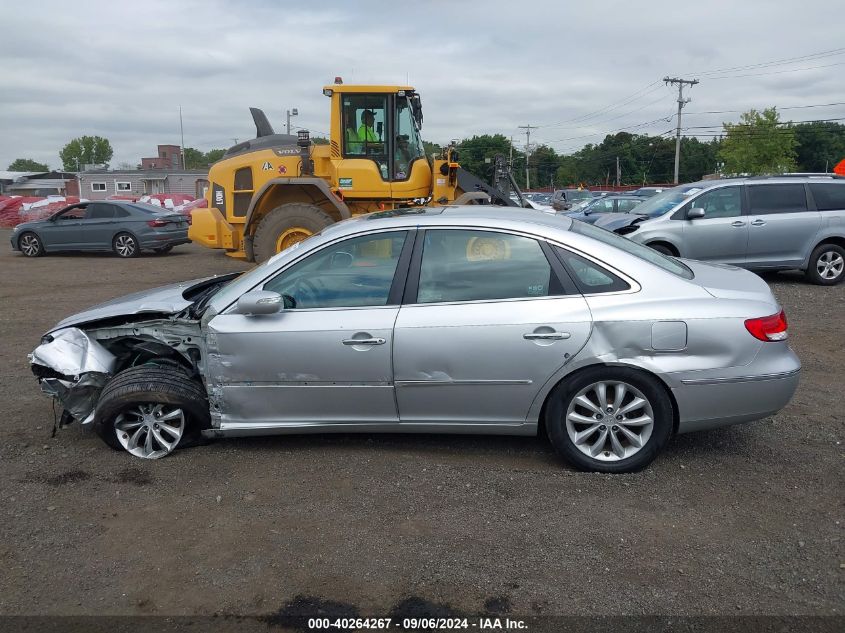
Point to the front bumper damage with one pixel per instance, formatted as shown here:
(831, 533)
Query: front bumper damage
(72, 367)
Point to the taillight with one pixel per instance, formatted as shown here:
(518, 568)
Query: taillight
(769, 328)
(155, 223)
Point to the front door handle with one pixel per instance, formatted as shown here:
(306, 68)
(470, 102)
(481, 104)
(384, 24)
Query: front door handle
(364, 341)
(737, 223)
(758, 223)
(546, 336)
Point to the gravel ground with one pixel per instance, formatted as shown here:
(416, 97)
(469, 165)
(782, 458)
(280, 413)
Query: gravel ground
(743, 520)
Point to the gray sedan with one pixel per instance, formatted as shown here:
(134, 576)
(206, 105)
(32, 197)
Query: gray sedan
(447, 320)
(125, 228)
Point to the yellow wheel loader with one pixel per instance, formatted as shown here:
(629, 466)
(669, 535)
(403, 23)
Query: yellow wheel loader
(273, 191)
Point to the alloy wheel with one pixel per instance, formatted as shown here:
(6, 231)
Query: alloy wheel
(150, 431)
(830, 265)
(125, 245)
(29, 245)
(609, 420)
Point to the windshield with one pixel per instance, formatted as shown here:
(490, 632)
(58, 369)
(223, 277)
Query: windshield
(576, 194)
(669, 264)
(409, 145)
(663, 202)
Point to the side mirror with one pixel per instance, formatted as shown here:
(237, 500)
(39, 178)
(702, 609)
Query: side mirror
(696, 212)
(259, 302)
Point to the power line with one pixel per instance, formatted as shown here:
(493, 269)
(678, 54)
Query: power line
(776, 72)
(800, 107)
(788, 60)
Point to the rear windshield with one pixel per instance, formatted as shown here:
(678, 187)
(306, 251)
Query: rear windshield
(146, 208)
(669, 264)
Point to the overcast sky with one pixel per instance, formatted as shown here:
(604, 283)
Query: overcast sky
(577, 69)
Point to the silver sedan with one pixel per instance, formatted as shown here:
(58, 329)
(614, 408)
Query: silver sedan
(446, 320)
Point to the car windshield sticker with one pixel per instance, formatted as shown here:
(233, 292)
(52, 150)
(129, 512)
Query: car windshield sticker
(689, 192)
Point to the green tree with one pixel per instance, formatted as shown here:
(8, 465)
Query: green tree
(432, 149)
(27, 164)
(758, 144)
(213, 155)
(543, 164)
(194, 159)
(319, 140)
(821, 145)
(476, 155)
(86, 150)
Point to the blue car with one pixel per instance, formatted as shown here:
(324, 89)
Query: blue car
(125, 228)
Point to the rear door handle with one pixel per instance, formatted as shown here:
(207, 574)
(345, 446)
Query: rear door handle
(737, 223)
(758, 223)
(546, 336)
(364, 341)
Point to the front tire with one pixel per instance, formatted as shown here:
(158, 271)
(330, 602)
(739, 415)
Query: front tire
(286, 225)
(827, 265)
(125, 245)
(30, 244)
(663, 249)
(609, 419)
(149, 411)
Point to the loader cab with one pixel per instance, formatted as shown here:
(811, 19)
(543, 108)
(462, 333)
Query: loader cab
(376, 143)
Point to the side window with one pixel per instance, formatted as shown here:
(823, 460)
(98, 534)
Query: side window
(119, 212)
(364, 123)
(768, 199)
(460, 265)
(589, 276)
(627, 205)
(354, 273)
(603, 206)
(723, 202)
(828, 196)
(242, 191)
(409, 145)
(98, 211)
(77, 213)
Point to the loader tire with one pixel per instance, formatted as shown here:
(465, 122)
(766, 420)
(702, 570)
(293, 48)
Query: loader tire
(286, 225)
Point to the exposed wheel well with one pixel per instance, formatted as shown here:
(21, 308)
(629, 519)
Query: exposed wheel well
(671, 247)
(833, 239)
(541, 423)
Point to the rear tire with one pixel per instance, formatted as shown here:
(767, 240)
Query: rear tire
(125, 245)
(150, 411)
(623, 434)
(287, 225)
(30, 244)
(827, 265)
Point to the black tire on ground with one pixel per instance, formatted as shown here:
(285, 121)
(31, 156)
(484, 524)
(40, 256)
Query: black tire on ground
(283, 218)
(152, 384)
(665, 250)
(32, 243)
(163, 249)
(830, 257)
(125, 245)
(566, 391)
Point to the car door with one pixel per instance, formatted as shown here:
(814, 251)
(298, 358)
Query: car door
(781, 228)
(97, 227)
(722, 234)
(326, 358)
(65, 229)
(485, 324)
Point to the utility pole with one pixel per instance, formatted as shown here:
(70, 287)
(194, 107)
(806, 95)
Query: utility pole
(182, 132)
(681, 103)
(618, 173)
(291, 113)
(527, 129)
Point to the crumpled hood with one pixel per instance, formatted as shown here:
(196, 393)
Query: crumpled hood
(729, 282)
(164, 299)
(614, 221)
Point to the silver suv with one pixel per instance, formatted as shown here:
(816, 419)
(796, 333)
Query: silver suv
(762, 223)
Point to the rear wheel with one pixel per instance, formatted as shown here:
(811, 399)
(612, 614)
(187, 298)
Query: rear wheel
(30, 244)
(609, 419)
(286, 225)
(125, 245)
(149, 411)
(827, 265)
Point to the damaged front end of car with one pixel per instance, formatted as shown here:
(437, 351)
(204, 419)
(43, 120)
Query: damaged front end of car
(73, 364)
